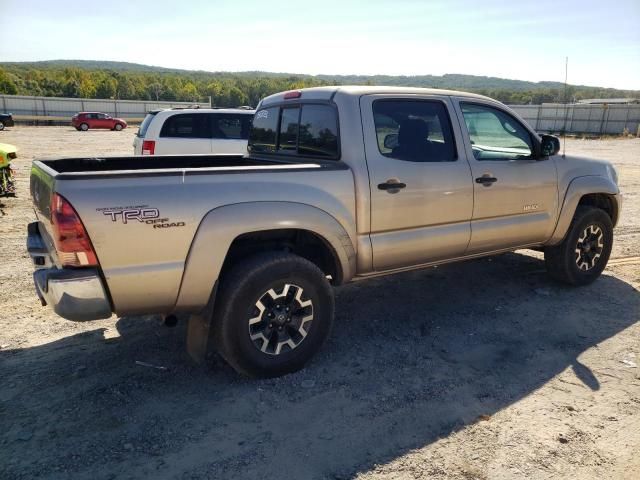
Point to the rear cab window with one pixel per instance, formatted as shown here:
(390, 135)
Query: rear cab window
(305, 129)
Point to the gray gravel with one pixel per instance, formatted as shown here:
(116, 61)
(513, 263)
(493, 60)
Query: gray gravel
(485, 369)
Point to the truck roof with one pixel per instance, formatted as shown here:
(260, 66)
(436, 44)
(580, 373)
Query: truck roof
(325, 93)
(241, 111)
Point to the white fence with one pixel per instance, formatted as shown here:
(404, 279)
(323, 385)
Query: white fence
(589, 119)
(56, 109)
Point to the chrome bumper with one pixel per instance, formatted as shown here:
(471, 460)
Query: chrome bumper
(74, 294)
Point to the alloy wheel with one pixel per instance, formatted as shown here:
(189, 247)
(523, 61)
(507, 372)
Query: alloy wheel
(280, 320)
(589, 247)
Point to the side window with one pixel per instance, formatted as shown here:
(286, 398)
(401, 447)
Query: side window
(307, 129)
(414, 130)
(264, 130)
(230, 126)
(318, 131)
(496, 135)
(186, 125)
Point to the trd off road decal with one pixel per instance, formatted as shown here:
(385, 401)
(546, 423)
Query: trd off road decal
(139, 213)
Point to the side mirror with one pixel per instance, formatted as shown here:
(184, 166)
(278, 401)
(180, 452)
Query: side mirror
(391, 141)
(550, 145)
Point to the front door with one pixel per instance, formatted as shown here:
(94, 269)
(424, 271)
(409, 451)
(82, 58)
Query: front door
(102, 121)
(420, 180)
(515, 194)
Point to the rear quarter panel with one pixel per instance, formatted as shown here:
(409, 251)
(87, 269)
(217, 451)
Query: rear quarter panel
(143, 263)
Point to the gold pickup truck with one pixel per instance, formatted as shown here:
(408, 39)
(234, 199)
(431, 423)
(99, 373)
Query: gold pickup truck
(338, 184)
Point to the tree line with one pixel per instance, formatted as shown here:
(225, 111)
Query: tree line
(247, 88)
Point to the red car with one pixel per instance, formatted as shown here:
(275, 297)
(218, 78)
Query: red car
(86, 120)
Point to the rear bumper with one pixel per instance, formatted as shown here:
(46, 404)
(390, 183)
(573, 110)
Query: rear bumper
(74, 294)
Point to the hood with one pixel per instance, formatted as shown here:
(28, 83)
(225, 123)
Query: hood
(6, 148)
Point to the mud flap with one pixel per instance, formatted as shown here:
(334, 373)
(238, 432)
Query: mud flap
(199, 330)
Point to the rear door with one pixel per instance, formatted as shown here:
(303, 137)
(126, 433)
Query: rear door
(184, 133)
(515, 194)
(421, 187)
(229, 132)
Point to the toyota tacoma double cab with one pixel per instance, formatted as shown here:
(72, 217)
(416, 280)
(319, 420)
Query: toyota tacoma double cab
(338, 184)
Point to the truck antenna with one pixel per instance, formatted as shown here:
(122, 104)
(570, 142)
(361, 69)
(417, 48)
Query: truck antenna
(566, 106)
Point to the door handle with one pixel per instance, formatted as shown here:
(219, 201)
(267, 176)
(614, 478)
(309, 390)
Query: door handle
(391, 186)
(486, 180)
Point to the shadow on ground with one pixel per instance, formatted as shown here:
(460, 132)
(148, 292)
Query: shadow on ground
(412, 358)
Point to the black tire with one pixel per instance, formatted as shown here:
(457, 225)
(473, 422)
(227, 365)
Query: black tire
(247, 285)
(574, 262)
(84, 127)
(1, 126)
(118, 127)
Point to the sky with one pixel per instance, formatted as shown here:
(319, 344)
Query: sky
(524, 40)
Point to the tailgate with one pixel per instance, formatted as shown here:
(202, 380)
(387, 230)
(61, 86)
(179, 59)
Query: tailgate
(42, 182)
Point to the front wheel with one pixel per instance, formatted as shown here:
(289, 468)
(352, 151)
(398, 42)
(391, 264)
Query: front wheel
(273, 313)
(1, 126)
(118, 127)
(585, 250)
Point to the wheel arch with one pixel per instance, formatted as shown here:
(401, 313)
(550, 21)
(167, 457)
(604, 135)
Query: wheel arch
(227, 234)
(595, 191)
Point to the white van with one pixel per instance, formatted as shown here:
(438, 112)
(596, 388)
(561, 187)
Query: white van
(194, 130)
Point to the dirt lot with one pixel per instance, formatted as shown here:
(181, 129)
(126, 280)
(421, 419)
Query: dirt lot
(471, 371)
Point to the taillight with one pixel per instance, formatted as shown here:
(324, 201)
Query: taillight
(148, 147)
(69, 235)
(292, 94)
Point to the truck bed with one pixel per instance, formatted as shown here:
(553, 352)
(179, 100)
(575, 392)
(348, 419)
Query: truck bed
(142, 259)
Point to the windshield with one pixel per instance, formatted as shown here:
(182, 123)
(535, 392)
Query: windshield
(145, 124)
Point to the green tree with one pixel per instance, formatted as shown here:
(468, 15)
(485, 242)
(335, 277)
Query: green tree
(7, 85)
(106, 88)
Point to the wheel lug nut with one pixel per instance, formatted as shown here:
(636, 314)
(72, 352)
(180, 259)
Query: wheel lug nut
(271, 325)
(280, 328)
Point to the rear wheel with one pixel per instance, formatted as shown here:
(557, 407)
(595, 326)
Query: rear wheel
(84, 127)
(585, 251)
(273, 313)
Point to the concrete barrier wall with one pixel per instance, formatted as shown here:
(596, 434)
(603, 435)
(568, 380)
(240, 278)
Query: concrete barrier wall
(580, 119)
(60, 110)
(586, 119)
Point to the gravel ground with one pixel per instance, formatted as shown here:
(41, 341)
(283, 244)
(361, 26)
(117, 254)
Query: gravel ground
(479, 370)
